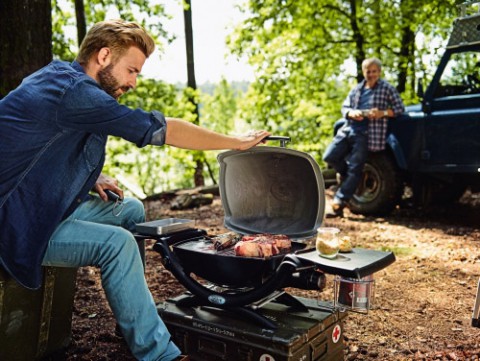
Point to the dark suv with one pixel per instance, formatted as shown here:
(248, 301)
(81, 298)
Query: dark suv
(433, 150)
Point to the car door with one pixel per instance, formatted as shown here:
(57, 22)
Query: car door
(452, 124)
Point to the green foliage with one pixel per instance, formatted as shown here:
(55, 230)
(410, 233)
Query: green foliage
(307, 55)
(152, 168)
(146, 12)
(63, 20)
(155, 169)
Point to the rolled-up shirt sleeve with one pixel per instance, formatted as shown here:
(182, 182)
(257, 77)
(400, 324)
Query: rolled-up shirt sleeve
(159, 135)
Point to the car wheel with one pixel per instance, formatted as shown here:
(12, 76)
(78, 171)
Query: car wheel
(381, 187)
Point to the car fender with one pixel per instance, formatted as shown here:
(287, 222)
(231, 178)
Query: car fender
(394, 145)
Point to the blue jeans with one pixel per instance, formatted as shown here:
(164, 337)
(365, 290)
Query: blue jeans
(94, 236)
(347, 154)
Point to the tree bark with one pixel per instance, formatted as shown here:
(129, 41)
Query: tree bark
(25, 40)
(81, 22)
(199, 179)
(358, 39)
(406, 54)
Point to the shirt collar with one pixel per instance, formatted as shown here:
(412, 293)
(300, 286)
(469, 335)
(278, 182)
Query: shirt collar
(76, 65)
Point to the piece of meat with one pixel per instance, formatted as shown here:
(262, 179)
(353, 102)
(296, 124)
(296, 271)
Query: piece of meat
(248, 249)
(263, 245)
(225, 240)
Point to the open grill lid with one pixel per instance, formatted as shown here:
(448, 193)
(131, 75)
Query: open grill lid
(271, 190)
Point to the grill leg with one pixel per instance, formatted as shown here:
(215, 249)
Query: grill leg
(476, 308)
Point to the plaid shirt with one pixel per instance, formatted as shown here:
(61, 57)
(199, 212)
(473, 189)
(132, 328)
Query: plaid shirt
(384, 96)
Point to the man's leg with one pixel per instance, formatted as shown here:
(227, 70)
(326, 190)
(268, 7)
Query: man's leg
(355, 162)
(336, 156)
(337, 151)
(126, 215)
(80, 241)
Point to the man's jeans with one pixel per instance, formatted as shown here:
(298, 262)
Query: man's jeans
(347, 154)
(94, 236)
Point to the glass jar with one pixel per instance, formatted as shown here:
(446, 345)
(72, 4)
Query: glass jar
(328, 242)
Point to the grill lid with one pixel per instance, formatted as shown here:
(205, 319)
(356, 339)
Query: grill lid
(271, 190)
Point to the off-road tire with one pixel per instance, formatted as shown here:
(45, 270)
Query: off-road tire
(381, 187)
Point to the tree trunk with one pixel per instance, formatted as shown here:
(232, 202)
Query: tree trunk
(25, 40)
(406, 48)
(199, 179)
(357, 38)
(81, 22)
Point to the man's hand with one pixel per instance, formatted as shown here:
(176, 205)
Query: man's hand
(356, 114)
(376, 114)
(105, 182)
(252, 138)
(372, 114)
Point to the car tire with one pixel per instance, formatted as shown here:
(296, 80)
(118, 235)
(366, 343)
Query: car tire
(381, 187)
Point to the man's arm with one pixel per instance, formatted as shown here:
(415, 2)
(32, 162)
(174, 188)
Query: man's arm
(396, 103)
(347, 106)
(183, 134)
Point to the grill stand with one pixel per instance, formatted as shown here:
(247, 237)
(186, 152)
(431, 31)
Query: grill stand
(251, 311)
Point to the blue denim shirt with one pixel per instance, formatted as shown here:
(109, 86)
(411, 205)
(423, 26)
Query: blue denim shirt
(54, 129)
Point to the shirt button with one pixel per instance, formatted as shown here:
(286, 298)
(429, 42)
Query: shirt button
(79, 200)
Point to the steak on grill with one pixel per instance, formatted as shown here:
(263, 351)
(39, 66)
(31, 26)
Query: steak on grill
(263, 245)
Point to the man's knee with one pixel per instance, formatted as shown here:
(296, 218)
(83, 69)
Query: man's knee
(134, 206)
(120, 240)
(133, 213)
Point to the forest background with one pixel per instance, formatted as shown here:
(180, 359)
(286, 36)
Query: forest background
(300, 51)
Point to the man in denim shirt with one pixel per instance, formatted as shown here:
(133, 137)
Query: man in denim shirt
(54, 129)
(366, 111)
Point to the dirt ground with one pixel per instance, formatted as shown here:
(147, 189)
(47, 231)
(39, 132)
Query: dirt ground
(423, 304)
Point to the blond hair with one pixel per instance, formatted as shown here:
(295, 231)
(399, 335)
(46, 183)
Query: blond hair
(118, 36)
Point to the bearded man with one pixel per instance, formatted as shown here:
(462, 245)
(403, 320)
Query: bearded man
(54, 129)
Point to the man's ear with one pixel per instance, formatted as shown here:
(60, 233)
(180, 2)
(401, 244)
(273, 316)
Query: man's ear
(104, 57)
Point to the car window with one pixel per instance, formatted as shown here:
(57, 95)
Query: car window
(461, 75)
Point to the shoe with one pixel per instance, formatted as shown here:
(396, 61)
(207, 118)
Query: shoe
(182, 358)
(337, 211)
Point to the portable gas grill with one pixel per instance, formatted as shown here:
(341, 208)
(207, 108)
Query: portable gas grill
(265, 189)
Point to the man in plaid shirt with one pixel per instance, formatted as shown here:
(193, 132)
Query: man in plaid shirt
(366, 111)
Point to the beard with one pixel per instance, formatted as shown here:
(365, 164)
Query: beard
(108, 82)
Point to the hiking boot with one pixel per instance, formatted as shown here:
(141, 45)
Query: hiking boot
(337, 211)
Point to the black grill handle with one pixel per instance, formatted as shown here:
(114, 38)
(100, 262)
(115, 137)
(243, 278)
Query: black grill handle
(283, 140)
